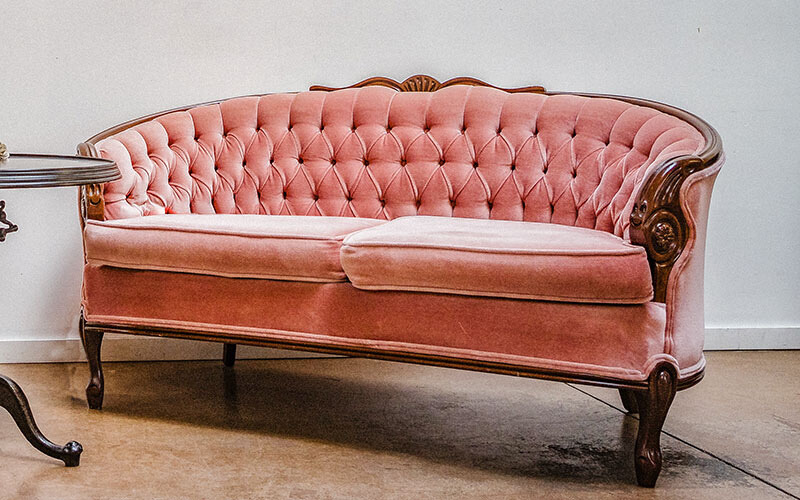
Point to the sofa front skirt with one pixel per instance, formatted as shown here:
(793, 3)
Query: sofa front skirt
(616, 341)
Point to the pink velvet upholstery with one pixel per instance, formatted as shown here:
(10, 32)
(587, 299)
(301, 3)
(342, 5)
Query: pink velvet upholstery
(592, 339)
(549, 295)
(525, 260)
(465, 227)
(277, 247)
(372, 152)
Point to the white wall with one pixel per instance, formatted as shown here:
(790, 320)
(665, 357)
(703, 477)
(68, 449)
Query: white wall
(70, 69)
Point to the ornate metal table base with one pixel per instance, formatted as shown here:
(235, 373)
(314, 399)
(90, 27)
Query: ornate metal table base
(40, 171)
(10, 226)
(13, 399)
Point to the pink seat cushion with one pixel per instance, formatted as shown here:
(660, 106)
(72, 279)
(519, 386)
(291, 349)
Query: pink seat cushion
(498, 258)
(295, 248)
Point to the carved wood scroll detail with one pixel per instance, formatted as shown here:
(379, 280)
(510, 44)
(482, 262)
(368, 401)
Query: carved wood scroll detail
(94, 204)
(425, 83)
(657, 220)
(90, 197)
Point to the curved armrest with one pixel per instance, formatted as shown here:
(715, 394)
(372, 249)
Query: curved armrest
(657, 220)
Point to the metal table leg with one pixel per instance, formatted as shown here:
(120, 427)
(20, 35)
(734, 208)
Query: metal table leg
(13, 399)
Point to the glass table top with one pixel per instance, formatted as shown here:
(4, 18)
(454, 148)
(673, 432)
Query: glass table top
(23, 170)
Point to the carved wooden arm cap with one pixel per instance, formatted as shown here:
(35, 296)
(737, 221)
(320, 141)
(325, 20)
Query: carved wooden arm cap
(657, 220)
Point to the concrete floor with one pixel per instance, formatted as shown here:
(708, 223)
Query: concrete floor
(355, 428)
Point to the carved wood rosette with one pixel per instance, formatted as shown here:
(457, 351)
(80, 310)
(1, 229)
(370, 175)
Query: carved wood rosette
(425, 83)
(657, 221)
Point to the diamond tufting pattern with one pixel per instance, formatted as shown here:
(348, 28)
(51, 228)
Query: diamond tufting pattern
(373, 152)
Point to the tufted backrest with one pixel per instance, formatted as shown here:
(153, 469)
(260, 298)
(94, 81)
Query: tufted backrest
(374, 152)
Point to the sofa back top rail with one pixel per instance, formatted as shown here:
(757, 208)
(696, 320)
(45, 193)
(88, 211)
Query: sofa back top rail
(622, 187)
(425, 83)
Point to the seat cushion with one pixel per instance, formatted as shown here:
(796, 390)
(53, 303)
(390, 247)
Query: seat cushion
(297, 248)
(498, 258)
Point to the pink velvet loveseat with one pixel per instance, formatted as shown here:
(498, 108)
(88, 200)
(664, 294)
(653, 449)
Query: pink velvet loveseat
(516, 231)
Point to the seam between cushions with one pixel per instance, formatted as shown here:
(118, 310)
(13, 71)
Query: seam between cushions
(242, 235)
(509, 295)
(211, 272)
(510, 251)
(335, 238)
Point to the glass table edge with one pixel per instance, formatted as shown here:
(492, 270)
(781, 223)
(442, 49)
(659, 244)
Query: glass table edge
(102, 170)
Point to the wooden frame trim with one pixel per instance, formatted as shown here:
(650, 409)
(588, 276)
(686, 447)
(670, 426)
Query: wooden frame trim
(376, 353)
(425, 83)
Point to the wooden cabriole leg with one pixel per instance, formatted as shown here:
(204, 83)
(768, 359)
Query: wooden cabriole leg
(13, 399)
(92, 340)
(229, 354)
(628, 397)
(653, 405)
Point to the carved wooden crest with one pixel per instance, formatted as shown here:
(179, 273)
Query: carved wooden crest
(425, 83)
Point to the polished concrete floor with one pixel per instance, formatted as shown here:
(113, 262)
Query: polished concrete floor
(355, 428)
